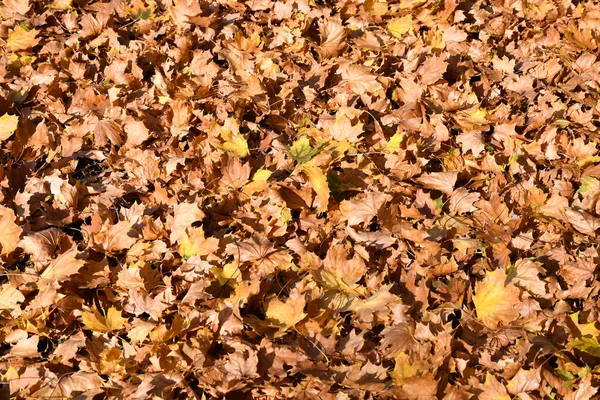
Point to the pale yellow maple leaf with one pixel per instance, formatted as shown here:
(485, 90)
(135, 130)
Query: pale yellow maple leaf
(399, 26)
(319, 183)
(285, 314)
(8, 125)
(259, 182)
(233, 140)
(22, 39)
(195, 244)
(97, 322)
(495, 301)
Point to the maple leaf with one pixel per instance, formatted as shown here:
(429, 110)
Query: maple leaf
(234, 141)
(195, 244)
(22, 39)
(108, 131)
(301, 150)
(399, 26)
(332, 39)
(97, 322)
(8, 125)
(495, 300)
(15, 9)
(319, 184)
(359, 79)
(10, 297)
(115, 238)
(363, 210)
(42, 245)
(493, 390)
(259, 182)
(285, 314)
(442, 181)
(10, 232)
(62, 268)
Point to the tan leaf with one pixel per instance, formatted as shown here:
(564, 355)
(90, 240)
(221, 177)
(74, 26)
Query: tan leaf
(15, 9)
(332, 39)
(364, 209)
(432, 70)
(108, 131)
(137, 133)
(115, 238)
(242, 364)
(42, 246)
(493, 390)
(10, 232)
(26, 347)
(62, 268)
(285, 314)
(442, 181)
(359, 79)
(184, 215)
(461, 201)
(10, 297)
(582, 221)
(195, 244)
(528, 277)
(140, 330)
(472, 141)
(80, 381)
(524, 381)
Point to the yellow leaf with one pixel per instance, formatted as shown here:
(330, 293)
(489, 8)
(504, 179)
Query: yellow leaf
(195, 244)
(230, 274)
(8, 125)
(61, 4)
(259, 182)
(478, 117)
(22, 39)
(399, 26)
(98, 323)
(494, 301)
(286, 314)
(301, 151)
(394, 143)
(234, 141)
(319, 183)
(403, 369)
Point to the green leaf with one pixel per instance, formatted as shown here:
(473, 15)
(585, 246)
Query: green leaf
(301, 151)
(588, 344)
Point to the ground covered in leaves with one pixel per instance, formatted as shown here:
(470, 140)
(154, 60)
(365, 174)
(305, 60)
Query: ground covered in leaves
(299, 199)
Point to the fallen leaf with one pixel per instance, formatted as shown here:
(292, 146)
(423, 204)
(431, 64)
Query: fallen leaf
(8, 125)
(495, 301)
(10, 232)
(97, 322)
(22, 39)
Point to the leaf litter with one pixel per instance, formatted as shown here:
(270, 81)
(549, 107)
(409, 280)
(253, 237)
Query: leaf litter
(299, 199)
